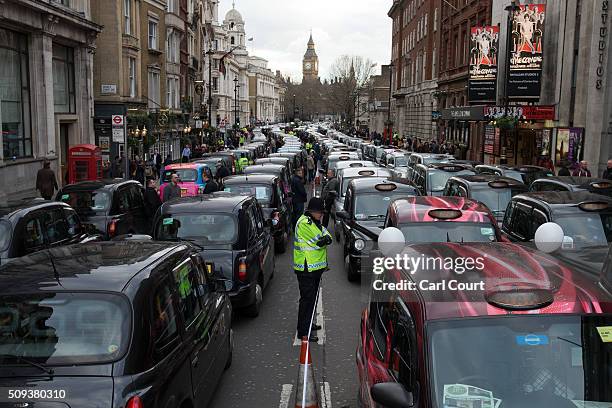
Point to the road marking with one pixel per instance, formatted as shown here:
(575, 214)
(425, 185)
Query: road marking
(285, 396)
(320, 320)
(326, 401)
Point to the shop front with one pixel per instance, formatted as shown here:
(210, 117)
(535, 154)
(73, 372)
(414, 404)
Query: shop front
(463, 128)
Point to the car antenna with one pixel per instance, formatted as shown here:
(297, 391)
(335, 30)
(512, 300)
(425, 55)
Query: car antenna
(55, 272)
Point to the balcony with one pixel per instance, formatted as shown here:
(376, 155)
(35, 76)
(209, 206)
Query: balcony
(172, 20)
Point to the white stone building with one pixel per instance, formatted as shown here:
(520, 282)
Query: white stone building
(46, 88)
(264, 98)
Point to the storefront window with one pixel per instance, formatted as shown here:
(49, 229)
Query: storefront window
(63, 79)
(14, 95)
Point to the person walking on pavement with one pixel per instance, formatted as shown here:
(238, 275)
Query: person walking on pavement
(310, 164)
(299, 195)
(607, 174)
(564, 170)
(46, 183)
(151, 200)
(328, 195)
(172, 190)
(211, 185)
(157, 163)
(186, 155)
(583, 170)
(309, 263)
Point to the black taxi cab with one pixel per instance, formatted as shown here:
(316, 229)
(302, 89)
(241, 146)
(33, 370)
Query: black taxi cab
(279, 170)
(567, 183)
(514, 328)
(431, 178)
(268, 191)
(360, 221)
(285, 161)
(113, 324)
(585, 218)
(233, 236)
(525, 174)
(493, 191)
(32, 225)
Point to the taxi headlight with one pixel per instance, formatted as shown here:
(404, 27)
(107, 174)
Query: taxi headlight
(359, 244)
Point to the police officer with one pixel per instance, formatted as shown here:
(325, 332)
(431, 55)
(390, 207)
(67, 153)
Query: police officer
(309, 262)
(243, 162)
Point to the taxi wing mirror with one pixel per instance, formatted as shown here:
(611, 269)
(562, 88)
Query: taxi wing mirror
(392, 395)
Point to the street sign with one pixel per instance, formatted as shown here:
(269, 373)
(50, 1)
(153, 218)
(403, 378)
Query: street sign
(117, 120)
(118, 135)
(198, 124)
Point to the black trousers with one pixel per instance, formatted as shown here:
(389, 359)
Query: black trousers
(309, 286)
(326, 215)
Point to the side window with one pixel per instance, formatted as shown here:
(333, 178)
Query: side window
(403, 360)
(461, 191)
(74, 225)
(123, 200)
(521, 221)
(507, 224)
(55, 225)
(136, 198)
(381, 323)
(538, 218)
(252, 224)
(186, 280)
(348, 199)
(164, 328)
(259, 218)
(32, 234)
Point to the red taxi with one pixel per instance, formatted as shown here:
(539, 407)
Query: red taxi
(519, 330)
(443, 219)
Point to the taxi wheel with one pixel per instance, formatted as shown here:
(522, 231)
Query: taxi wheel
(350, 273)
(254, 309)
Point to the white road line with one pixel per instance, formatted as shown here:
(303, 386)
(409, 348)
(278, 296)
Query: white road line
(326, 401)
(320, 320)
(285, 396)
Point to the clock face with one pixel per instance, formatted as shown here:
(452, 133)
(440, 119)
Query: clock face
(308, 65)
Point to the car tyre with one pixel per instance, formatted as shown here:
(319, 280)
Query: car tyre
(351, 275)
(254, 309)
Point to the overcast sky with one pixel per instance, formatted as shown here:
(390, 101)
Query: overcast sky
(281, 28)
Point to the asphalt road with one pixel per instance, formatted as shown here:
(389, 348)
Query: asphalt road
(266, 355)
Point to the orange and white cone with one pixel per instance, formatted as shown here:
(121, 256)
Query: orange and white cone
(306, 396)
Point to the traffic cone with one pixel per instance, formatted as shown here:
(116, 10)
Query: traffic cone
(306, 396)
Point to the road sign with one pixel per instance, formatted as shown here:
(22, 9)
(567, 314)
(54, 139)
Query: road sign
(117, 120)
(118, 135)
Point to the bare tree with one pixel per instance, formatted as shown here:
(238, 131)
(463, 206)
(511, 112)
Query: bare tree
(349, 75)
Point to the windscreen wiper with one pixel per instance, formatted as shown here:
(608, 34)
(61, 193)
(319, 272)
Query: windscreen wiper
(29, 362)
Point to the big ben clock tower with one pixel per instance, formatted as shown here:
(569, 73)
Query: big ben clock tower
(310, 65)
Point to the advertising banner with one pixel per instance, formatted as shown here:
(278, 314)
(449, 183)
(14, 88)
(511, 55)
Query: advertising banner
(526, 56)
(483, 64)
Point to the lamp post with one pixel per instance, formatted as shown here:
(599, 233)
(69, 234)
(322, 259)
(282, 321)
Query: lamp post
(294, 106)
(511, 9)
(389, 127)
(236, 117)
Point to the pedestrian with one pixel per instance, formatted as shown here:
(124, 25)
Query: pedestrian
(299, 195)
(46, 183)
(116, 168)
(172, 189)
(607, 174)
(211, 185)
(139, 173)
(582, 170)
(310, 164)
(564, 170)
(151, 200)
(186, 155)
(168, 160)
(222, 172)
(309, 263)
(328, 195)
(157, 162)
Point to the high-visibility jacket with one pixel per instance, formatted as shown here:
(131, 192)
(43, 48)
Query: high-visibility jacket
(305, 249)
(243, 162)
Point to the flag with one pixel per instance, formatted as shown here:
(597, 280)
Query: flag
(222, 63)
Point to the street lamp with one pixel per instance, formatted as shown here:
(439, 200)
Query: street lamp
(236, 117)
(389, 128)
(294, 106)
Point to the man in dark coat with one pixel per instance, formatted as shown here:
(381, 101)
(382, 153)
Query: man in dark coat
(172, 190)
(222, 172)
(299, 195)
(607, 174)
(152, 200)
(211, 185)
(46, 182)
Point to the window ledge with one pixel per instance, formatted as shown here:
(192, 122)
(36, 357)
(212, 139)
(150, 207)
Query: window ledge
(155, 51)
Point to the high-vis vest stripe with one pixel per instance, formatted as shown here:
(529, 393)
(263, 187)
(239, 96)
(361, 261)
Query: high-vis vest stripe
(305, 249)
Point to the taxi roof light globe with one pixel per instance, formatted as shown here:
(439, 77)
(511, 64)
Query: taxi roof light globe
(391, 241)
(549, 237)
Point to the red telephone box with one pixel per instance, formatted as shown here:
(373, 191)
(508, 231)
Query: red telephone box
(84, 163)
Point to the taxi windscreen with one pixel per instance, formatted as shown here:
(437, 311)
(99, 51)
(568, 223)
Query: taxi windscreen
(262, 193)
(586, 229)
(438, 178)
(496, 199)
(373, 205)
(185, 175)
(86, 202)
(63, 328)
(448, 231)
(522, 361)
(204, 228)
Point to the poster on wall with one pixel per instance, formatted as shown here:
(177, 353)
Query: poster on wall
(544, 145)
(489, 139)
(483, 64)
(526, 56)
(569, 145)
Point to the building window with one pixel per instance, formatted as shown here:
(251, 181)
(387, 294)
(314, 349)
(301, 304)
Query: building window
(63, 79)
(191, 44)
(215, 84)
(233, 41)
(172, 46)
(435, 19)
(172, 6)
(173, 92)
(153, 43)
(127, 16)
(434, 58)
(132, 76)
(154, 90)
(14, 96)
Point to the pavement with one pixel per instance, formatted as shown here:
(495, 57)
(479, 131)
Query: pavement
(266, 352)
